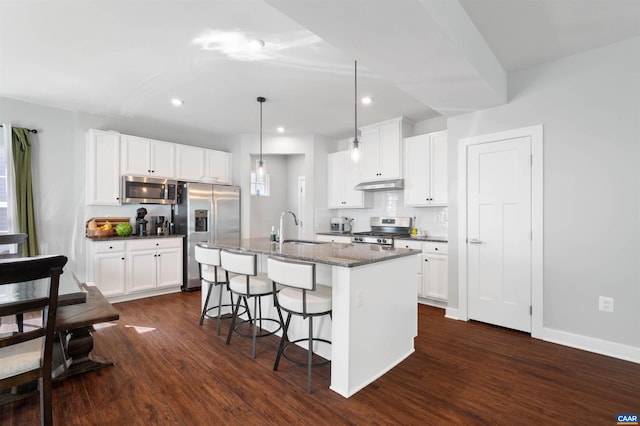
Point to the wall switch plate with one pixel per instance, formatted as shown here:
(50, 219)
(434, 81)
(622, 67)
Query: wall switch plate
(605, 304)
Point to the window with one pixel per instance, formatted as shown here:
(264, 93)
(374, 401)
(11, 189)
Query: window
(260, 184)
(4, 223)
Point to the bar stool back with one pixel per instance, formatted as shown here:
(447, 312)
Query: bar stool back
(212, 273)
(300, 296)
(246, 284)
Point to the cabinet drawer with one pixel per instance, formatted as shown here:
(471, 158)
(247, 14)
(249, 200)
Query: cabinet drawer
(154, 243)
(108, 246)
(416, 245)
(439, 248)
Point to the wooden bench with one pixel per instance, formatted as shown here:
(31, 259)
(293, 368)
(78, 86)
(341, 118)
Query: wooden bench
(74, 324)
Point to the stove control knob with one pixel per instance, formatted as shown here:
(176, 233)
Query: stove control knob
(384, 241)
(379, 240)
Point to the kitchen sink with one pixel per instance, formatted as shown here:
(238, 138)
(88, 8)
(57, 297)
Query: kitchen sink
(303, 242)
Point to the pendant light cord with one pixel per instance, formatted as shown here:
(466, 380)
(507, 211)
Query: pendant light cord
(355, 102)
(261, 100)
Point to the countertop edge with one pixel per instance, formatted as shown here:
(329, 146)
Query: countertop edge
(133, 237)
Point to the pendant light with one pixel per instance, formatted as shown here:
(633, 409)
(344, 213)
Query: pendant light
(355, 146)
(260, 164)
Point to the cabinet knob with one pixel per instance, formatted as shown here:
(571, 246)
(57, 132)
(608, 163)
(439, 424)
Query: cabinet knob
(110, 247)
(122, 258)
(436, 249)
(426, 260)
(148, 171)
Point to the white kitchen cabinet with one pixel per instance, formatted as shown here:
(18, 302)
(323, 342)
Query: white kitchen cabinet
(153, 263)
(381, 149)
(134, 268)
(190, 163)
(333, 238)
(217, 167)
(425, 168)
(341, 178)
(432, 270)
(146, 157)
(109, 267)
(103, 168)
(435, 271)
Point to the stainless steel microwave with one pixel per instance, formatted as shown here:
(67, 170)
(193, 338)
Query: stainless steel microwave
(147, 190)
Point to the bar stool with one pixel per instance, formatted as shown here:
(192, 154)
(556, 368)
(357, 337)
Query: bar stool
(248, 283)
(211, 272)
(301, 296)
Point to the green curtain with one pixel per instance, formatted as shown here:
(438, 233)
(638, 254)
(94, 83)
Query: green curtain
(24, 192)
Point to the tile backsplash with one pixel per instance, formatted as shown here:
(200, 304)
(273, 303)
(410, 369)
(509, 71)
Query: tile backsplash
(432, 221)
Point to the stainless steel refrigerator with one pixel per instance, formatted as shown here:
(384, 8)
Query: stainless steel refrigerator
(205, 213)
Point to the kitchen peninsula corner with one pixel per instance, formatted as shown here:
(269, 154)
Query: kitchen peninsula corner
(374, 302)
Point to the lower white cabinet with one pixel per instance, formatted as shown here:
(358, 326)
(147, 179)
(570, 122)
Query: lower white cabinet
(432, 269)
(108, 262)
(333, 238)
(135, 268)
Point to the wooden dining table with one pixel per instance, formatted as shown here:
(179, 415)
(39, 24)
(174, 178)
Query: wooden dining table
(80, 307)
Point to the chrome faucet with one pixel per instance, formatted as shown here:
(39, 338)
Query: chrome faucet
(295, 219)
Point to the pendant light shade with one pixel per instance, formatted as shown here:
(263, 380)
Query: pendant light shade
(260, 164)
(355, 145)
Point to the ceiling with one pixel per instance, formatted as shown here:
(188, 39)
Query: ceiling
(416, 58)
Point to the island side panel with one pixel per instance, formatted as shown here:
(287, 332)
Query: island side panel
(374, 321)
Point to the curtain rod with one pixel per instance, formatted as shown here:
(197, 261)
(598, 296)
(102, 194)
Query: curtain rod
(28, 130)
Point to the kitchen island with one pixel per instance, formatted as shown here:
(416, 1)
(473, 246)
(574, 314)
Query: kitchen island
(374, 317)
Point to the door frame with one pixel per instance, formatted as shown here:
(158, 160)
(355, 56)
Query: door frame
(535, 133)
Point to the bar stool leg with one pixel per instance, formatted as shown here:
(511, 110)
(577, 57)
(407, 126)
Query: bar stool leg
(255, 325)
(309, 354)
(206, 304)
(283, 342)
(233, 319)
(219, 310)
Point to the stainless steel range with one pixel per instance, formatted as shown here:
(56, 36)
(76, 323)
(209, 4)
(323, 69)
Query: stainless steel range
(384, 230)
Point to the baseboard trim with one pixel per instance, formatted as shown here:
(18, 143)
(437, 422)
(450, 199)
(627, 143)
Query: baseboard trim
(591, 344)
(452, 313)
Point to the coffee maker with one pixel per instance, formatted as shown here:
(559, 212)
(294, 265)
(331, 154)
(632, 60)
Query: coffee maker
(141, 222)
(158, 225)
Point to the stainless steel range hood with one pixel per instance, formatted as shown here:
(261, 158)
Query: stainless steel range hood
(381, 185)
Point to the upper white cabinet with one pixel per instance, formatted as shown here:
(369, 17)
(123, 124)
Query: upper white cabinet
(147, 157)
(190, 163)
(341, 178)
(381, 147)
(425, 169)
(217, 166)
(103, 168)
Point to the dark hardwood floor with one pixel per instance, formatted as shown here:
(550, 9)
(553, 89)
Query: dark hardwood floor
(170, 371)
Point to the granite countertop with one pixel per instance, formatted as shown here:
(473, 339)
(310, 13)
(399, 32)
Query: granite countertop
(336, 234)
(336, 254)
(133, 237)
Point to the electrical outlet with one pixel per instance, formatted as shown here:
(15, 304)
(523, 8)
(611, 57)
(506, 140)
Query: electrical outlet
(605, 304)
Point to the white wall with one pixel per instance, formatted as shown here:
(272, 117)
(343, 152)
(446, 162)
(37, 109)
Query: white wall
(589, 105)
(309, 147)
(265, 211)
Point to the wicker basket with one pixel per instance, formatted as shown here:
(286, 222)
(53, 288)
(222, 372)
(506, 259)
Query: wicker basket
(100, 221)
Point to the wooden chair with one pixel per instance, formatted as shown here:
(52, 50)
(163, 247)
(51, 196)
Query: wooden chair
(27, 356)
(18, 239)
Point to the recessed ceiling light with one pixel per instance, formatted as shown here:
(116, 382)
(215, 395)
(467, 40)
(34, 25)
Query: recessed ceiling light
(366, 100)
(177, 102)
(280, 129)
(256, 43)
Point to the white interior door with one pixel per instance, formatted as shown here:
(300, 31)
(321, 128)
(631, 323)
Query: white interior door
(499, 232)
